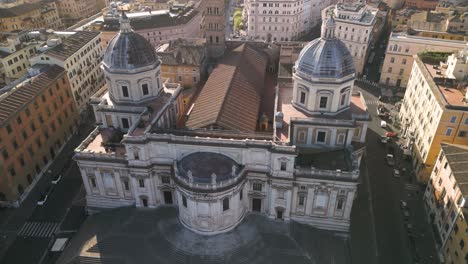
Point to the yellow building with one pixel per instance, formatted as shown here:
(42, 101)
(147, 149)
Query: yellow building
(455, 250)
(14, 57)
(30, 16)
(183, 62)
(37, 117)
(446, 203)
(72, 11)
(434, 109)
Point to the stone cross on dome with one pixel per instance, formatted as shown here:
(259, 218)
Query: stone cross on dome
(328, 27)
(125, 23)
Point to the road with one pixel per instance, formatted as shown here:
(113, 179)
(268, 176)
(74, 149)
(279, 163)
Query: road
(394, 245)
(29, 230)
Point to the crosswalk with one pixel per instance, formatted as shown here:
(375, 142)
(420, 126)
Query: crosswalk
(38, 229)
(411, 187)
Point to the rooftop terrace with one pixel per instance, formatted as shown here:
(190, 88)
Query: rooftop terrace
(449, 89)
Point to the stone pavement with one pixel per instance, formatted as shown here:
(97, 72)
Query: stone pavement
(130, 235)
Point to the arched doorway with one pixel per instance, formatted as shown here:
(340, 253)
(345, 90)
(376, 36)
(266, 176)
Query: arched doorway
(279, 213)
(144, 201)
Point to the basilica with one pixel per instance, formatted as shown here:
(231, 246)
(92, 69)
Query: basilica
(245, 144)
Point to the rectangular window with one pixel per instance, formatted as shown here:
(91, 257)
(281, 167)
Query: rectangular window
(226, 204)
(453, 119)
(126, 185)
(301, 200)
(257, 186)
(184, 201)
(343, 99)
(8, 128)
(462, 133)
(125, 123)
(125, 91)
(144, 88)
(93, 182)
(340, 203)
(303, 95)
(283, 165)
(321, 136)
(165, 179)
(323, 102)
(141, 183)
(448, 132)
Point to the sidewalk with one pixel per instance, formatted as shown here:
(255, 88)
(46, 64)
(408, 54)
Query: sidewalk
(12, 220)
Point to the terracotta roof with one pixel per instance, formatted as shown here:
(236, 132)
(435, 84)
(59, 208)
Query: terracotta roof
(19, 9)
(72, 44)
(232, 93)
(12, 103)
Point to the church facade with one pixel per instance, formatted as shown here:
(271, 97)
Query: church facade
(235, 150)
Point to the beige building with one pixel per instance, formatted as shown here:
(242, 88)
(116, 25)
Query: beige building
(80, 55)
(156, 26)
(401, 47)
(30, 16)
(453, 22)
(445, 202)
(72, 11)
(355, 25)
(15, 51)
(436, 85)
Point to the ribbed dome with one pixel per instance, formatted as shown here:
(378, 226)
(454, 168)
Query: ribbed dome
(326, 57)
(129, 50)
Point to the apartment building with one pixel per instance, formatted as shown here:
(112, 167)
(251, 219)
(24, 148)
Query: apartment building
(154, 26)
(80, 54)
(37, 116)
(355, 25)
(15, 51)
(437, 84)
(445, 202)
(449, 24)
(282, 20)
(398, 62)
(30, 16)
(72, 11)
(422, 4)
(183, 61)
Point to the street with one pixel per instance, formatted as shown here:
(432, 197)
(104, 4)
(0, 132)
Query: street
(396, 243)
(28, 231)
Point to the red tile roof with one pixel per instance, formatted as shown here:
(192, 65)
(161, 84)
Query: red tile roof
(231, 96)
(12, 103)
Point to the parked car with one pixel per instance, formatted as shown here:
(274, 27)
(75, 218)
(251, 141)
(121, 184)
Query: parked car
(391, 134)
(383, 124)
(42, 199)
(57, 178)
(390, 159)
(403, 204)
(384, 139)
(396, 173)
(45, 195)
(390, 150)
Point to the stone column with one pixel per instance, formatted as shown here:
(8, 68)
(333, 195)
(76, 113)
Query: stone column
(309, 201)
(118, 184)
(310, 131)
(332, 203)
(333, 137)
(84, 176)
(363, 132)
(349, 205)
(99, 182)
(350, 136)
